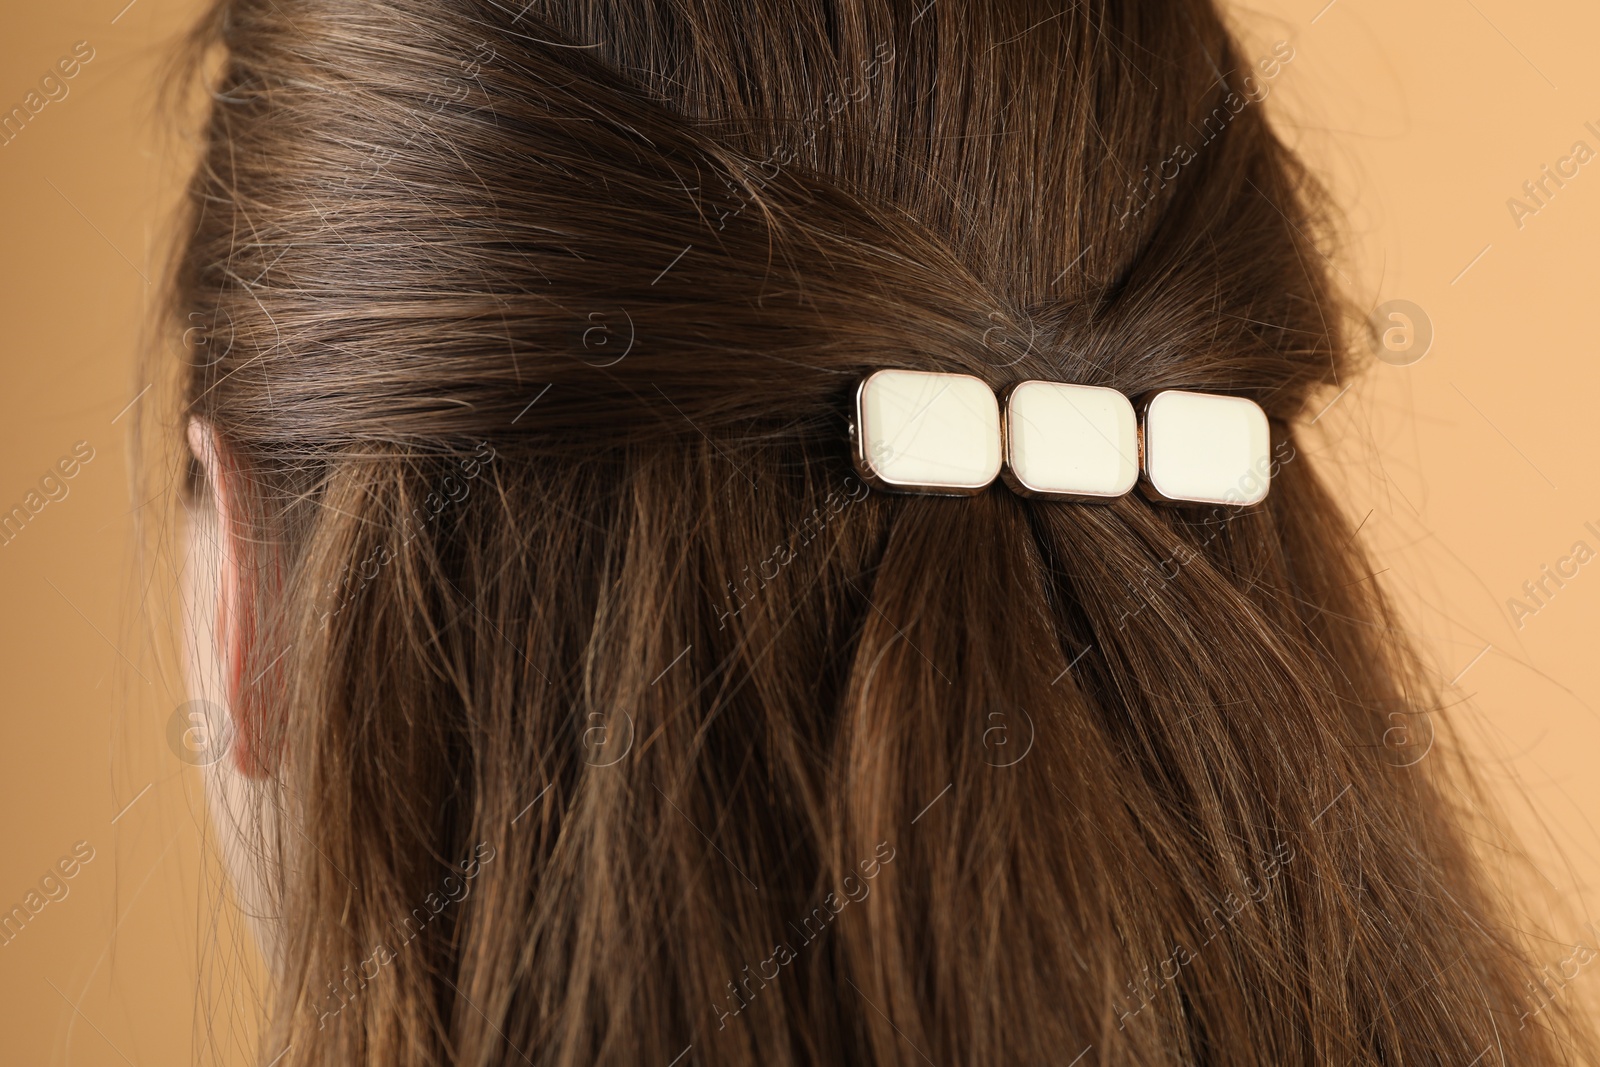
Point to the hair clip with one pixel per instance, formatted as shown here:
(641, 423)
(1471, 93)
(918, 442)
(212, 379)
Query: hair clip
(923, 432)
(1069, 442)
(1203, 448)
(920, 432)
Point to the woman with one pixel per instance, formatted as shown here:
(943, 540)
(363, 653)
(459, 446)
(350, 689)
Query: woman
(587, 707)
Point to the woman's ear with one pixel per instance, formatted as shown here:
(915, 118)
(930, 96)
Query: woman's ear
(232, 624)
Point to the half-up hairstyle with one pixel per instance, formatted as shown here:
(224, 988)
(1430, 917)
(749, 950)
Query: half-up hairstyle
(609, 719)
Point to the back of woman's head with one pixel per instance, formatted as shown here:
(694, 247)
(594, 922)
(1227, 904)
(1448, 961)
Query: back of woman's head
(611, 720)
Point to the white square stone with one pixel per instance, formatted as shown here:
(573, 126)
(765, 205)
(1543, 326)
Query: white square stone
(923, 432)
(1206, 448)
(1077, 442)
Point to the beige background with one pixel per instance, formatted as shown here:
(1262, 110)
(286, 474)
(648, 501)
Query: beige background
(1472, 467)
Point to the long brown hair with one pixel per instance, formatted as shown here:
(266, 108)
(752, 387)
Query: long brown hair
(612, 720)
